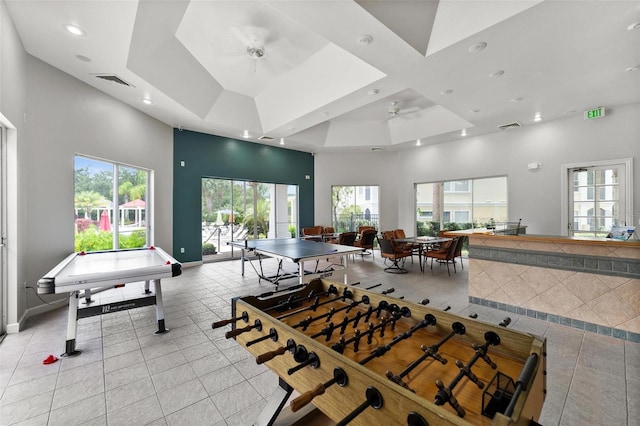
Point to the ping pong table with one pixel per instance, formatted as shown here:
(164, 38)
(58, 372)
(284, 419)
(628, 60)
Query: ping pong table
(298, 251)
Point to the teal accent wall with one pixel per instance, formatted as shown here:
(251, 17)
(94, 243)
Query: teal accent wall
(219, 157)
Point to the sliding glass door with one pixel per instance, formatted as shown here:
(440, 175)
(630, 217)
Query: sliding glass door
(235, 210)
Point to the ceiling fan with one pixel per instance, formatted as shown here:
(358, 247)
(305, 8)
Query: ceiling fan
(395, 111)
(259, 42)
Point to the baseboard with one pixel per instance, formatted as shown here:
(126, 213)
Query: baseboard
(36, 310)
(191, 264)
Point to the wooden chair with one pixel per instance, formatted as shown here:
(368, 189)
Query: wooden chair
(345, 239)
(367, 238)
(458, 253)
(389, 250)
(314, 231)
(413, 248)
(445, 255)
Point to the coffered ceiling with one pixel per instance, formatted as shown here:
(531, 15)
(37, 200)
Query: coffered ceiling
(344, 75)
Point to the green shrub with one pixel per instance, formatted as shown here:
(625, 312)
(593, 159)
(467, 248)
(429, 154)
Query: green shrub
(292, 231)
(208, 248)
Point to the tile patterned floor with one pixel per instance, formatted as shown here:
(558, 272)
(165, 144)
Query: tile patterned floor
(194, 376)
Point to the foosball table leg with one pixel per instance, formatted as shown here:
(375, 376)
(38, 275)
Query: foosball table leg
(270, 412)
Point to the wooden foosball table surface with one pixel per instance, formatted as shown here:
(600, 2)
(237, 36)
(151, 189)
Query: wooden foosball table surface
(364, 358)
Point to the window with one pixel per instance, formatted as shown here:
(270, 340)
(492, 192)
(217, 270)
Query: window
(460, 204)
(457, 186)
(110, 205)
(597, 196)
(354, 206)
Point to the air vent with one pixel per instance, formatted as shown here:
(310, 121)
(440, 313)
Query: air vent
(113, 78)
(509, 125)
(265, 138)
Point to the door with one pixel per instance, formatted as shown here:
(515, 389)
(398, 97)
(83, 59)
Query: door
(3, 234)
(597, 199)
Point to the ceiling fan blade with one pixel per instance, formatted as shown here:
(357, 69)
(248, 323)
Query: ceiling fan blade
(250, 35)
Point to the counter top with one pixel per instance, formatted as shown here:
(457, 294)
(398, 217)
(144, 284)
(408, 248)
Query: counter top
(483, 233)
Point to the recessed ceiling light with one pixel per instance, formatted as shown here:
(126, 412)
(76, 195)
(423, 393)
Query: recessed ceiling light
(447, 92)
(147, 101)
(373, 92)
(497, 73)
(636, 68)
(463, 132)
(74, 29)
(418, 142)
(281, 141)
(478, 47)
(245, 134)
(634, 26)
(537, 117)
(83, 58)
(364, 40)
(518, 99)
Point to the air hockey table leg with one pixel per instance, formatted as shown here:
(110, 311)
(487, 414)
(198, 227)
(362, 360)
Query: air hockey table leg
(159, 307)
(72, 326)
(146, 287)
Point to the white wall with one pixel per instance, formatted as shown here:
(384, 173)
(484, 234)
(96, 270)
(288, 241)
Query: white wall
(357, 168)
(13, 87)
(533, 196)
(67, 117)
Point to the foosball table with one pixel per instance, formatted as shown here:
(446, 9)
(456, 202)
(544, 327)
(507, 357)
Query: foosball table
(366, 358)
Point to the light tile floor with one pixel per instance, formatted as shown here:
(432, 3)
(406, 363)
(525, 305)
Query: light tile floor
(194, 376)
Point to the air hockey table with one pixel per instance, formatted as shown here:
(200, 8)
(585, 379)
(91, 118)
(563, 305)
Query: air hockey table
(101, 270)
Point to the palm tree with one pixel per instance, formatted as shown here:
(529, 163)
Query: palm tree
(88, 200)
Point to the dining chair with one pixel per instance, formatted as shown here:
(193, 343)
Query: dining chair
(366, 242)
(458, 252)
(389, 250)
(444, 255)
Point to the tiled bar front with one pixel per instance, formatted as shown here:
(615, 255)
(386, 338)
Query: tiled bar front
(588, 284)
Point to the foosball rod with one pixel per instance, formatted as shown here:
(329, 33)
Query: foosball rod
(374, 400)
(244, 316)
(346, 294)
(523, 382)
(395, 316)
(428, 320)
(268, 356)
(445, 393)
(306, 322)
(233, 333)
(429, 351)
(339, 377)
(291, 300)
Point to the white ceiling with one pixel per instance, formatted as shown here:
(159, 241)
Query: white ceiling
(316, 83)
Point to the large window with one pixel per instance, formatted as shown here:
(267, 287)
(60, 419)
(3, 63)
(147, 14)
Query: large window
(354, 206)
(111, 205)
(460, 204)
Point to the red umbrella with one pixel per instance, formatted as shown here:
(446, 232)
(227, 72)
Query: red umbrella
(105, 223)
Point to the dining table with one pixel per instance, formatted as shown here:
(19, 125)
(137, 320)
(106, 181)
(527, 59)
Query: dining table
(424, 243)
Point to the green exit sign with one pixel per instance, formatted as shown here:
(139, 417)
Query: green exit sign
(594, 113)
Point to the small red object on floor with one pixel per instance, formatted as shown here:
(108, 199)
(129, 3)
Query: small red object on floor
(49, 360)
